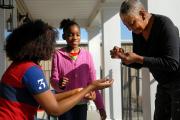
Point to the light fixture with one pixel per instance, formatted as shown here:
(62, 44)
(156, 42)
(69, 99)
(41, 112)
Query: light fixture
(26, 19)
(23, 18)
(6, 4)
(9, 23)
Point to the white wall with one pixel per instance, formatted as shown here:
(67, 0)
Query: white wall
(169, 8)
(4, 15)
(2, 42)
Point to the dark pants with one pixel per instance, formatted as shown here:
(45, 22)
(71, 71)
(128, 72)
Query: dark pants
(167, 103)
(79, 112)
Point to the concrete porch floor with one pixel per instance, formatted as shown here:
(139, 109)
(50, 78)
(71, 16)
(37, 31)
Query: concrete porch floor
(93, 115)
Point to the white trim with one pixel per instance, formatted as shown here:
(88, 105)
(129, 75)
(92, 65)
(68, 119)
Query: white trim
(94, 13)
(23, 9)
(114, 5)
(126, 41)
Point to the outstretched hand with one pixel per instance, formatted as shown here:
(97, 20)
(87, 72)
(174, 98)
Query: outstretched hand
(101, 84)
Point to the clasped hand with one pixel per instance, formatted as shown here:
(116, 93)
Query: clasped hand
(126, 57)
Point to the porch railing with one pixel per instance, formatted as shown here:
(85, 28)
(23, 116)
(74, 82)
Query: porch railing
(131, 94)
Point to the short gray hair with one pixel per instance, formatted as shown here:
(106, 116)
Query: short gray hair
(131, 7)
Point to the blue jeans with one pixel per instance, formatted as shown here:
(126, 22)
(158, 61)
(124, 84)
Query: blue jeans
(79, 112)
(167, 103)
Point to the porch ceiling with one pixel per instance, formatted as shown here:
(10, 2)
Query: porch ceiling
(53, 11)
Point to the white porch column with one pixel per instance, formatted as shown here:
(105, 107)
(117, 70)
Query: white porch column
(111, 67)
(94, 45)
(146, 98)
(153, 86)
(2, 42)
(148, 94)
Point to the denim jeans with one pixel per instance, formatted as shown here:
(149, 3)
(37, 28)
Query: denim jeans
(167, 103)
(79, 112)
